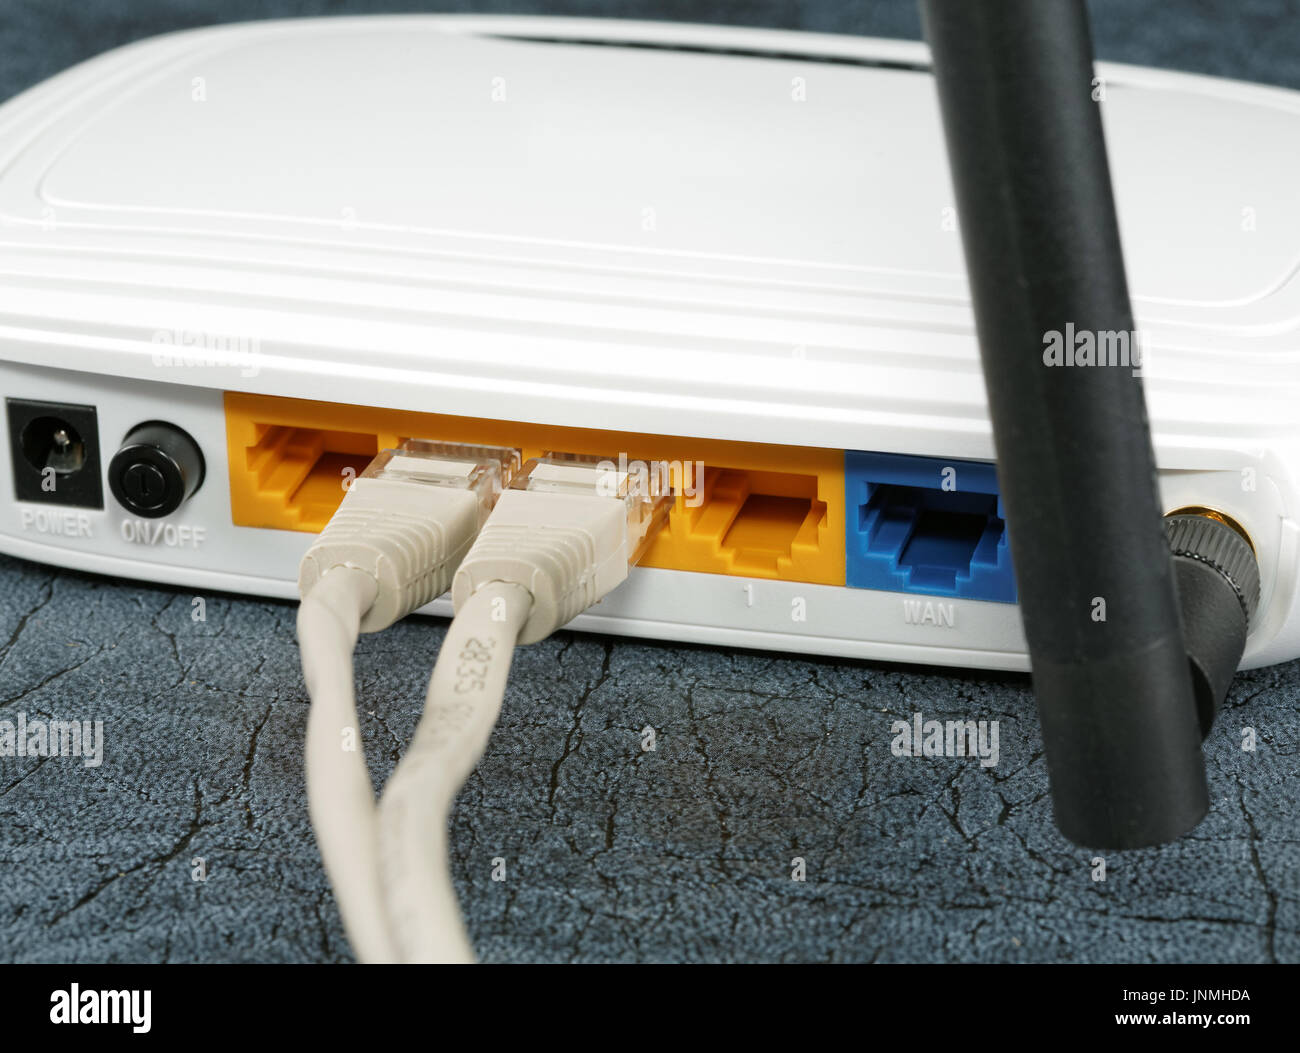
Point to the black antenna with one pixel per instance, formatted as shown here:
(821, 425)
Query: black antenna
(1075, 463)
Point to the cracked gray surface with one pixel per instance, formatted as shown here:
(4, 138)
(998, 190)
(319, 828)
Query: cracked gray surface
(612, 852)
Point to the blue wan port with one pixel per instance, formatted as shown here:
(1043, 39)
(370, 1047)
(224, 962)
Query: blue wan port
(926, 525)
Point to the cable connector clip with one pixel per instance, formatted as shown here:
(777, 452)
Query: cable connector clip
(567, 529)
(407, 520)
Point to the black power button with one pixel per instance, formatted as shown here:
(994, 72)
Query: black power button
(157, 468)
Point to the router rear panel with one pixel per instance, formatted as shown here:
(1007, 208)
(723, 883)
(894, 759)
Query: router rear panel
(200, 546)
(821, 366)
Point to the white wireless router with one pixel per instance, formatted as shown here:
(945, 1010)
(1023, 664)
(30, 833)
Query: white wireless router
(240, 261)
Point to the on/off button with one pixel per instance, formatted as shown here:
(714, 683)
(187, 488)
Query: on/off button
(144, 485)
(157, 469)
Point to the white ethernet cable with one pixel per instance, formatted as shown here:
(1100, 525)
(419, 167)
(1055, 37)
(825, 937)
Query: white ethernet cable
(391, 547)
(560, 538)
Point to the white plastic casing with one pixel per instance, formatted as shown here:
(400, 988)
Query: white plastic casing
(520, 219)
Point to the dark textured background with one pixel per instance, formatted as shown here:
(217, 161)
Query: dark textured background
(612, 854)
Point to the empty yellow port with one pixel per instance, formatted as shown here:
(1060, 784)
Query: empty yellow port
(759, 524)
(298, 472)
(762, 511)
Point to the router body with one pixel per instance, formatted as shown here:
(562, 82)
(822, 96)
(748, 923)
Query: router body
(294, 244)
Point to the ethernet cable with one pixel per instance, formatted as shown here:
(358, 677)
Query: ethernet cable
(559, 539)
(391, 547)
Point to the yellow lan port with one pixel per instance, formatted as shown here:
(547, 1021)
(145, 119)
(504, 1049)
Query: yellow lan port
(758, 510)
(300, 471)
(752, 523)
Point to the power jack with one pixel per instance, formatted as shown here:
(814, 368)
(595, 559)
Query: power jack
(54, 447)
